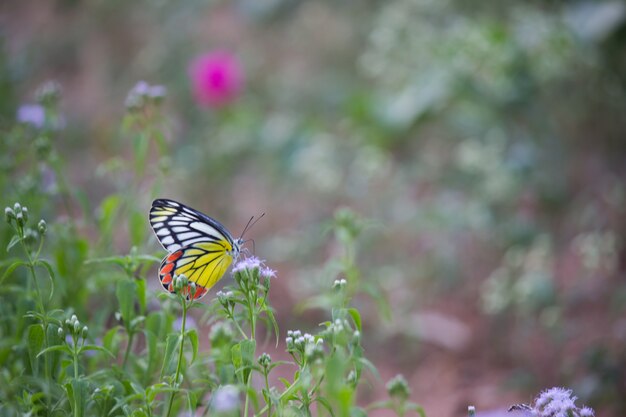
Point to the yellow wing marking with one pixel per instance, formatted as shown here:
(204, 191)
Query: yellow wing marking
(164, 212)
(214, 271)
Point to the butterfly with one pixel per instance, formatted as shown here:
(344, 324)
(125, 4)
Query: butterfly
(199, 246)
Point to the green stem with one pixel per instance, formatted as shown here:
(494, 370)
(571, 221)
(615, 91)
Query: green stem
(42, 309)
(252, 317)
(75, 355)
(180, 357)
(267, 388)
(131, 335)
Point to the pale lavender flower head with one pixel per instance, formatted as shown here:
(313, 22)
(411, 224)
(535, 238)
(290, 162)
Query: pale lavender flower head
(247, 263)
(32, 114)
(216, 78)
(559, 402)
(225, 399)
(267, 272)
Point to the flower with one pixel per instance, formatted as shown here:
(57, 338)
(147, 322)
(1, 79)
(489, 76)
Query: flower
(32, 114)
(557, 402)
(225, 399)
(143, 94)
(268, 272)
(216, 78)
(250, 263)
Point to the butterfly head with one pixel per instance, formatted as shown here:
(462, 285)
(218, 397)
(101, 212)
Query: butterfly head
(237, 248)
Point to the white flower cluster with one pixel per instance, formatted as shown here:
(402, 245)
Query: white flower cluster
(339, 284)
(296, 340)
(227, 294)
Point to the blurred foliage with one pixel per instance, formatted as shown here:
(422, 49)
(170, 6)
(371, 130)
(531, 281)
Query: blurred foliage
(479, 147)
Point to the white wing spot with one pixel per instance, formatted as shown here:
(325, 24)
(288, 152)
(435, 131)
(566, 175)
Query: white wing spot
(173, 248)
(157, 225)
(168, 241)
(206, 228)
(163, 232)
(192, 241)
(181, 218)
(189, 235)
(180, 229)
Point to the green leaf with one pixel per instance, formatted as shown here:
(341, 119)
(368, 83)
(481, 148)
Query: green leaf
(285, 382)
(369, 365)
(77, 395)
(192, 335)
(110, 339)
(270, 315)
(151, 347)
(141, 295)
(125, 291)
(14, 241)
(51, 275)
(415, 407)
(170, 346)
(35, 343)
(12, 268)
(324, 402)
(380, 405)
(243, 358)
(358, 412)
(57, 348)
(192, 400)
(356, 316)
(97, 348)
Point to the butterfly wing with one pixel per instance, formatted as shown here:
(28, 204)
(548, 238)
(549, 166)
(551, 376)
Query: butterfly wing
(176, 225)
(199, 246)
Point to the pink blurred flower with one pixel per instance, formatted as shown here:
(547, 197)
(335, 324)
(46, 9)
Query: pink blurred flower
(216, 78)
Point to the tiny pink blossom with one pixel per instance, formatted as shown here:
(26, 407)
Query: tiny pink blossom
(216, 78)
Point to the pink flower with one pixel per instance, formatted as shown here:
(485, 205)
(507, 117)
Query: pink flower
(216, 78)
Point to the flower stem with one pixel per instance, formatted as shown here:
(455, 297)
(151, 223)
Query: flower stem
(128, 349)
(180, 357)
(42, 310)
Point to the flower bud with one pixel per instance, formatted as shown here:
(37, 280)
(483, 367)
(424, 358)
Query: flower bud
(60, 332)
(351, 378)
(48, 93)
(313, 352)
(17, 207)
(42, 227)
(397, 387)
(76, 326)
(84, 332)
(9, 214)
(265, 360)
(25, 213)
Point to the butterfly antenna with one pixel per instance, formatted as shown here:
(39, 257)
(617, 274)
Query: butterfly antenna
(251, 223)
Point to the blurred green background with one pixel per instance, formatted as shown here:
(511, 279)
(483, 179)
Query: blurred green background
(473, 152)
